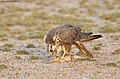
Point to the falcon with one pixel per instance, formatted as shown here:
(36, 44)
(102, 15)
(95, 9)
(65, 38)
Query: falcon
(61, 38)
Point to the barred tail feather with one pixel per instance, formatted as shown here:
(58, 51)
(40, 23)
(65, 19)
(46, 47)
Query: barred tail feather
(91, 37)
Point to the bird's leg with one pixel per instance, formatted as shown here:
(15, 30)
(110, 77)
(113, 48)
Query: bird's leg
(62, 53)
(57, 50)
(67, 51)
(81, 47)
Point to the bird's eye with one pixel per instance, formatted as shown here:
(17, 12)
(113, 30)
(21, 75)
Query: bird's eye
(51, 50)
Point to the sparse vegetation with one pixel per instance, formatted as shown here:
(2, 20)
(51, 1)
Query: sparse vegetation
(88, 59)
(91, 8)
(30, 46)
(17, 57)
(14, 8)
(38, 34)
(87, 26)
(22, 37)
(30, 1)
(117, 51)
(99, 44)
(118, 62)
(22, 52)
(110, 5)
(33, 58)
(115, 37)
(2, 67)
(111, 16)
(7, 47)
(82, 3)
(2, 35)
(111, 64)
(110, 28)
(96, 47)
(69, 11)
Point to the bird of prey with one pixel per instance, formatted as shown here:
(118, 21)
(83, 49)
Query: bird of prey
(67, 35)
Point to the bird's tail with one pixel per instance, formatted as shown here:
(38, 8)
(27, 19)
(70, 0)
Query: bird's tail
(90, 37)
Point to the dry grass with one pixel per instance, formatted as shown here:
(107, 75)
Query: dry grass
(96, 48)
(30, 1)
(87, 26)
(7, 47)
(22, 52)
(2, 67)
(117, 51)
(111, 16)
(110, 28)
(22, 37)
(88, 59)
(30, 46)
(70, 11)
(38, 34)
(3, 34)
(17, 57)
(15, 8)
(111, 64)
(33, 58)
(115, 37)
(110, 5)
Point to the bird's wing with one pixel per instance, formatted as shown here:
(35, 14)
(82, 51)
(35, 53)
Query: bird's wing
(51, 34)
(68, 34)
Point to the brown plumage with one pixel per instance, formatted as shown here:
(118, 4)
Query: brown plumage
(62, 31)
(67, 35)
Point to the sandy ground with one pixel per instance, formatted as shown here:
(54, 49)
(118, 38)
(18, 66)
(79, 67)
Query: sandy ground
(79, 69)
(41, 68)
